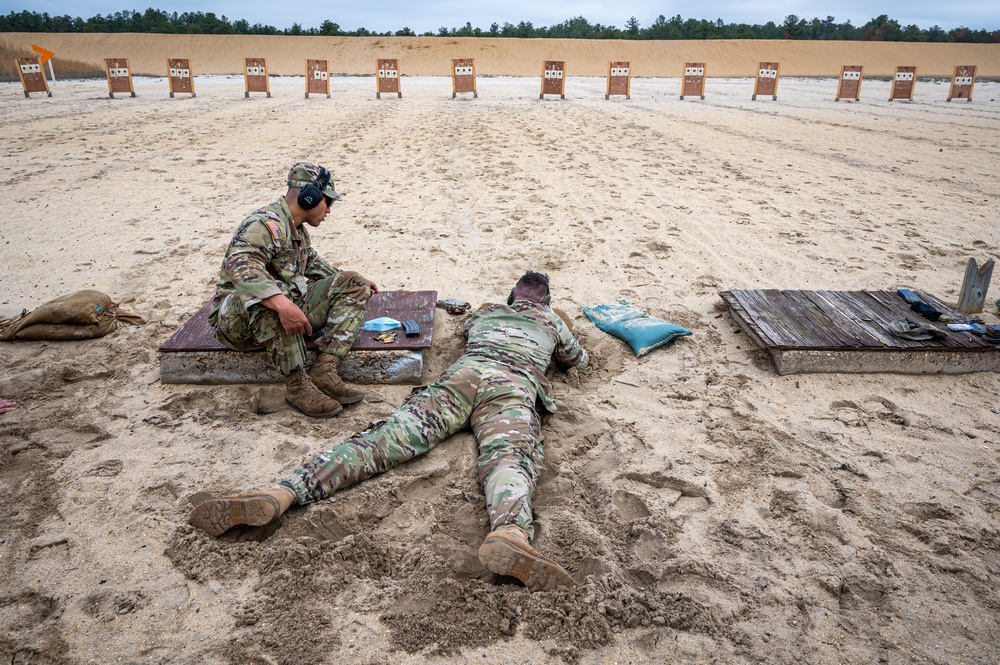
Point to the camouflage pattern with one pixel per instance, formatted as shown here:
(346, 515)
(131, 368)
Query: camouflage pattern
(493, 387)
(268, 256)
(304, 173)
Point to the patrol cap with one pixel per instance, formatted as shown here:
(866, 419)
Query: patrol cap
(304, 173)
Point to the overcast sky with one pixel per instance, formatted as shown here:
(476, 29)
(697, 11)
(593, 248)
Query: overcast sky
(429, 15)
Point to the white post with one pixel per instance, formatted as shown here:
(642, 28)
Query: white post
(52, 72)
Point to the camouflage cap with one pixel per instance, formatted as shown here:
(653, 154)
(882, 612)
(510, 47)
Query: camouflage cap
(304, 173)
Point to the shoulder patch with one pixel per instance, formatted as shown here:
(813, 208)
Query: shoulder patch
(276, 231)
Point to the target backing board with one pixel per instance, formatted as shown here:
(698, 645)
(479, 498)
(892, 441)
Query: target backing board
(693, 83)
(181, 76)
(962, 82)
(767, 80)
(553, 78)
(850, 83)
(255, 76)
(119, 77)
(902, 83)
(619, 79)
(387, 77)
(32, 76)
(463, 76)
(318, 77)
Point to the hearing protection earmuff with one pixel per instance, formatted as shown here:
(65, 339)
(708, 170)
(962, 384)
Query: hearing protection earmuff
(312, 194)
(547, 300)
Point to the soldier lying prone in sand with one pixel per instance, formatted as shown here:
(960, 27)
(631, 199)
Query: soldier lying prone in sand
(493, 387)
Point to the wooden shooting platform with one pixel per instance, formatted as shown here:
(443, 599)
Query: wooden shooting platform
(318, 77)
(119, 77)
(847, 332)
(193, 355)
(181, 76)
(463, 76)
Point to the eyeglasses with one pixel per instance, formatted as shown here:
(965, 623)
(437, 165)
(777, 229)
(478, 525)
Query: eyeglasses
(329, 201)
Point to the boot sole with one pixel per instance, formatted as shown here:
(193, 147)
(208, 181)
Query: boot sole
(315, 415)
(536, 572)
(216, 516)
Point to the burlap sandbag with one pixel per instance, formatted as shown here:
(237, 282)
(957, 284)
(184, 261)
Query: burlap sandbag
(81, 315)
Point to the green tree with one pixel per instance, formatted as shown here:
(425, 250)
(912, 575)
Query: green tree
(632, 28)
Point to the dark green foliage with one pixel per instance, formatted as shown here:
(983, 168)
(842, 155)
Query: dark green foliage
(881, 28)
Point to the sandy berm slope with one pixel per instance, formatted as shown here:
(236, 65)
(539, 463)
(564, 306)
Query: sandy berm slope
(431, 56)
(712, 510)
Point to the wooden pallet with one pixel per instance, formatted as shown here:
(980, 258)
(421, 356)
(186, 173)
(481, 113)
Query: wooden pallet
(193, 355)
(847, 331)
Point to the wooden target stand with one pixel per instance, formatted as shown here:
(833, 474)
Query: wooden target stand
(553, 79)
(181, 77)
(387, 77)
(32, 76)
(318, 77)
(463, 76)
(850, 83)
(619, 79)
(255, 76)
(902, 83)
(767, 80)
(119, 77)
(962, 82)
(693, 83)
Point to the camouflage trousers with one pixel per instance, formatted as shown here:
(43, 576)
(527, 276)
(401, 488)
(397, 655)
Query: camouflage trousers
(334, 305)
(497, 402)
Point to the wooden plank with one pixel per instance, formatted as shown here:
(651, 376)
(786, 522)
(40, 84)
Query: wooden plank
(759, 309)
(775, 314)
(851, 324)
(857, 319)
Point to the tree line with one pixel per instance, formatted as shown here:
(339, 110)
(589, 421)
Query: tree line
(881, 28)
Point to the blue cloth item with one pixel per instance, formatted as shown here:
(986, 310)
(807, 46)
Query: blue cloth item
(381, 324)
(643, 333)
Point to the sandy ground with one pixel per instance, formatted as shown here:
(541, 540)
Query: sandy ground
(712, 510)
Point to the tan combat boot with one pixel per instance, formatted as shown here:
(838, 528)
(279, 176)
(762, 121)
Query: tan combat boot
(506, 552)
(326, 376)
(301, 393)
(216, 516)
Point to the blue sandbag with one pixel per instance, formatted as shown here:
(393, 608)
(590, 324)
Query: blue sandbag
(643, 333)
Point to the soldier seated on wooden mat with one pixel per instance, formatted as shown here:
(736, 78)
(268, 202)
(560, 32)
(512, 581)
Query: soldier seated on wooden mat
(274, 289)
(493, 387)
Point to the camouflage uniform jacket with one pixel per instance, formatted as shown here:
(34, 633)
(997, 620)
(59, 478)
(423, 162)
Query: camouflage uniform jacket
(266, 253)
(525, 336)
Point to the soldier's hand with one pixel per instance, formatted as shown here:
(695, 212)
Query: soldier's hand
(372, 284)
(293, 320)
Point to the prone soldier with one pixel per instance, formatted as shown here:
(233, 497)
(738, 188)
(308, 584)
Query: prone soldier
(493, 387)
